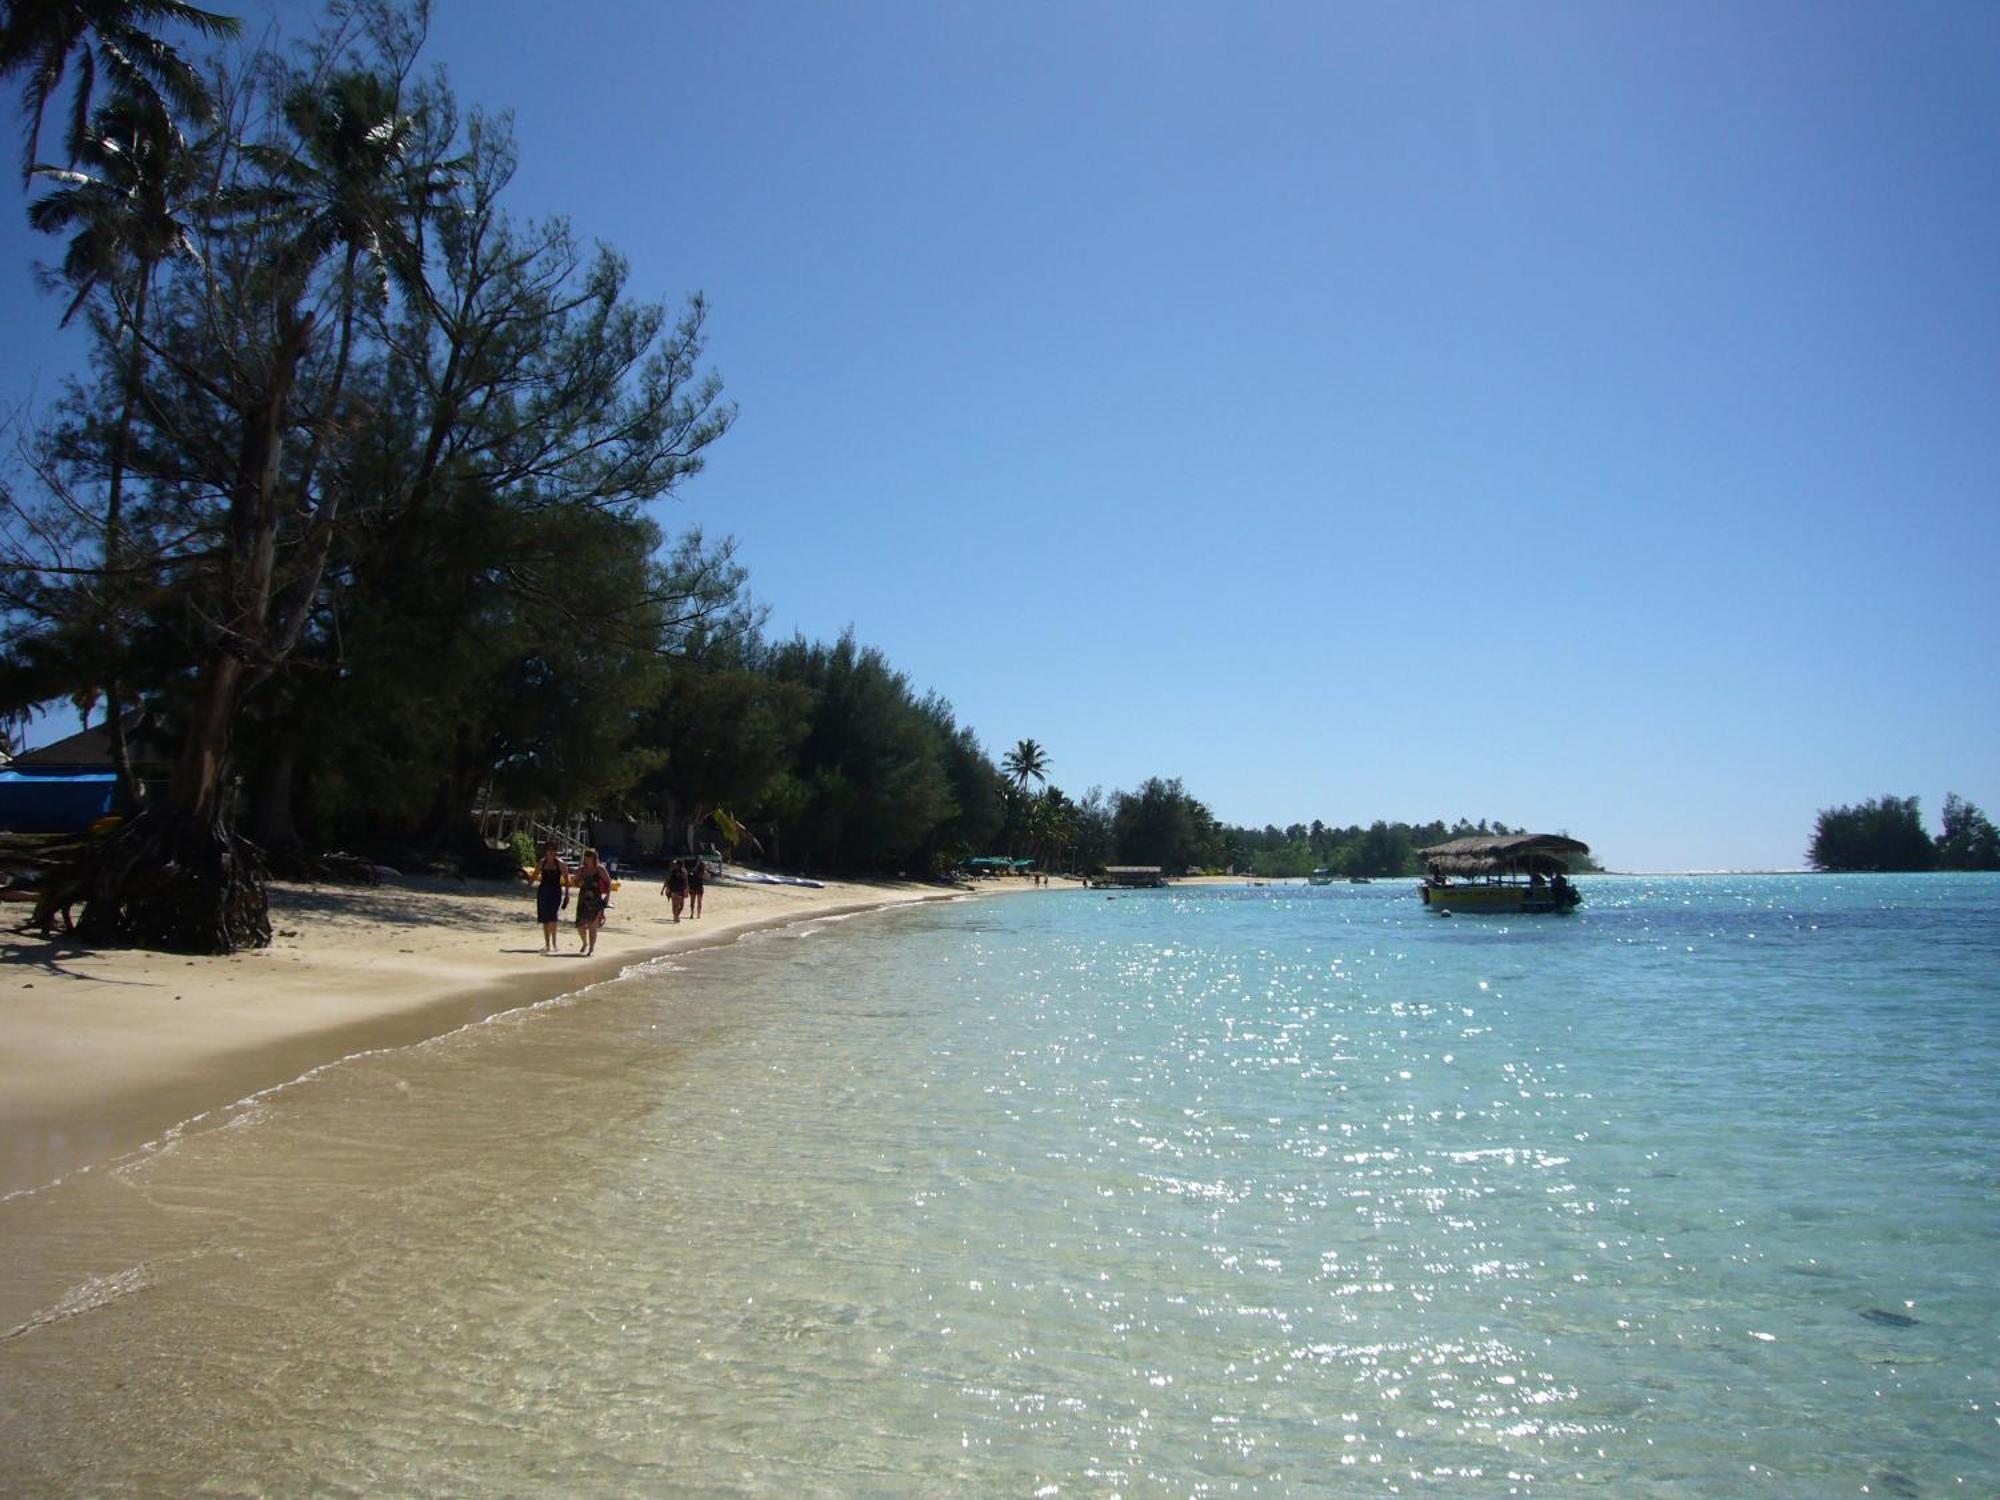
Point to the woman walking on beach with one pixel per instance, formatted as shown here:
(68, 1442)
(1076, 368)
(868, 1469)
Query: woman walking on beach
(593, 894)
(697, 880)
(551, 894)
(676, 887)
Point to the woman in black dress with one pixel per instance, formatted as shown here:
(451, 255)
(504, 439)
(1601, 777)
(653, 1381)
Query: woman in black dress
(550, 895)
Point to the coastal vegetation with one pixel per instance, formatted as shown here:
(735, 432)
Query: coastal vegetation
(1887, 833)
(1378, 850)
(353, 524)
(353, 504)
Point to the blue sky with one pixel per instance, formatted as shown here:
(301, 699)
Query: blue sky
(1580, 415)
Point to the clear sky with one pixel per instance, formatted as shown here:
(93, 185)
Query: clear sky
(1582, 415)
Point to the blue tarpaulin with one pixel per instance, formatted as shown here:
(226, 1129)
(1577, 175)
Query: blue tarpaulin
(53, 804)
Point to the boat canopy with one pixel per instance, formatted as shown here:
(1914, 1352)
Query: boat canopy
(1526, 853)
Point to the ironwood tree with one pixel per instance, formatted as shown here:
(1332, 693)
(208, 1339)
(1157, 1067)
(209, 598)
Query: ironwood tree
(360, 359)
(1968, 839)
(1886, 833)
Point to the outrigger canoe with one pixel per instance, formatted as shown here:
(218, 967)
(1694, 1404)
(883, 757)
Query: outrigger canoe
(1505, 875)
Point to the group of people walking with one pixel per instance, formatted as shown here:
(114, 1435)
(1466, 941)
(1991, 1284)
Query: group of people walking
(685, 885)
(552, 890)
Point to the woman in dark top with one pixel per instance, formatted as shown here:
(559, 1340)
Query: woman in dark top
(697, 880)
(676, 887)
(550, 895)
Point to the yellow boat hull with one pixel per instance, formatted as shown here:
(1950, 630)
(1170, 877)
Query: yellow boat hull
(1498, 898)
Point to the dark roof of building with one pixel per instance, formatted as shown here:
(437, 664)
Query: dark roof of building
(92, 747)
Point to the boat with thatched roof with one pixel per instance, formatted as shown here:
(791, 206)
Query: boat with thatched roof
(1503, 874)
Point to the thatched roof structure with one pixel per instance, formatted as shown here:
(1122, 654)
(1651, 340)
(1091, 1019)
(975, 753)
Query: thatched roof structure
(1526, 853)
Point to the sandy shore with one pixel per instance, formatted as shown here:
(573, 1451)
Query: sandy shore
(102, 1051)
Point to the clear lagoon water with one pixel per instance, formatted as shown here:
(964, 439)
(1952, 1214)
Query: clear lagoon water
(1215, 1191)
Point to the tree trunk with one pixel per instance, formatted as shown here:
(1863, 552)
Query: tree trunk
(178, 877)
(124, 792)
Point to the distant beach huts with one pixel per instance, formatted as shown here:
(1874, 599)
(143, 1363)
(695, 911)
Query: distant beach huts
(996, 864)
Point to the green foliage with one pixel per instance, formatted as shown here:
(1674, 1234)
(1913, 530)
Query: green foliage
(1969, 840)
(1160, 824)
(361, 492)
(725, 735)
(445, 528)
(1884, 834)
(868, 790)
(40, 39)
(1382, 849)
(526, 855)
(1026, 762)
(978, 794)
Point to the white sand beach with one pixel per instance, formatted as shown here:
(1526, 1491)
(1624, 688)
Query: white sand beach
(104, 1050)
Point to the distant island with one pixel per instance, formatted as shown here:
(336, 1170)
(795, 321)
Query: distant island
(1887, 834)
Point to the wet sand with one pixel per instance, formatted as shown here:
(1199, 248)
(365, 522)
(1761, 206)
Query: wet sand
(105, 1050)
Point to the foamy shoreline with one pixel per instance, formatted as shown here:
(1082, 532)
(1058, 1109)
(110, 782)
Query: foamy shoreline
(105, 1050)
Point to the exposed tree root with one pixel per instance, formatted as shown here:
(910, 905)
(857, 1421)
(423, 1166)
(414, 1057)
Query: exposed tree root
(180, 883)
(291, 860)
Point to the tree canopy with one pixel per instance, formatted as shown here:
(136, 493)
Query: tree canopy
(349, 424)
(41, 41)
(1887, 834)
(1968, 840)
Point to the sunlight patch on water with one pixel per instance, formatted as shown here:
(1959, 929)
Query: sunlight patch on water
(1201, 1192)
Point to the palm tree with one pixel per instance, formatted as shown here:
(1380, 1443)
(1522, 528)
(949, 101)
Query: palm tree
(349, 184)
(40, 38)
(1052, 826)
(1026, 762)
(126, 204)
(127, 210)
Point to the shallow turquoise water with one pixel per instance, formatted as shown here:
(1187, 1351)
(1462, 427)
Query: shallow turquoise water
(1259, 1191)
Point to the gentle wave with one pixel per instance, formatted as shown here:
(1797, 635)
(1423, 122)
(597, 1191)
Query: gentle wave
(1286, 1189)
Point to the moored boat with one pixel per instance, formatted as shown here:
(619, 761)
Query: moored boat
(1321, 876)
(1505, 875)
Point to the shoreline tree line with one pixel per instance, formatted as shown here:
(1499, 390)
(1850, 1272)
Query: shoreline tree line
(1887, 834)
(354, 522)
